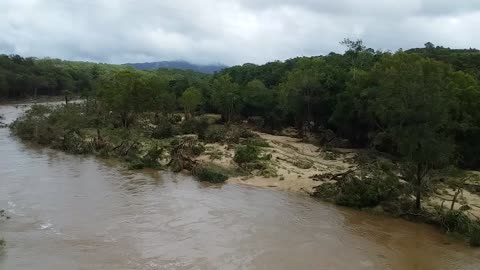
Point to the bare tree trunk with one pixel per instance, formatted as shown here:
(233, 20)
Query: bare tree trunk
(420, 174)
(454, 200)
(229, 116)
(418, 199)
(300, 123)
(188, 115)
(125, 120)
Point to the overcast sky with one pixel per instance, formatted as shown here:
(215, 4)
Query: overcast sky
(227, 31)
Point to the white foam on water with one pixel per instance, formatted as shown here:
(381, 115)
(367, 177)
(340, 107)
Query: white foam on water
(11, 208)
(45, 226)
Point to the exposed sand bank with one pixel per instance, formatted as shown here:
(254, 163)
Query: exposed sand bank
(293, 162)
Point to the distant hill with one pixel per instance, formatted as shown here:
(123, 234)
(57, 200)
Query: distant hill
(209, 69)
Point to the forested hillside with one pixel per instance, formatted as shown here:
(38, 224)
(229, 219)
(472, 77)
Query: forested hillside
(421, 103)
(181, 65)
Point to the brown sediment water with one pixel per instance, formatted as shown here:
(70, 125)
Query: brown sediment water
(77, 212)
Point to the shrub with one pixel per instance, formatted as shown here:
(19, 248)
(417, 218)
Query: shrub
(183, 149)
(194, 126)
(150, 159)
(475, 235)
(33, 124)
(236, 133)
(326, 191)
(255, 165)
(198, 149)
(164, 129)
(210, 173)
(56, 126)
(269, 172)
(246, 154)
(212, 118)
(257, 121)
(215, 133)
(366, 192)
(454, 221)
(175, 119)
(136, 165)
(74, 143)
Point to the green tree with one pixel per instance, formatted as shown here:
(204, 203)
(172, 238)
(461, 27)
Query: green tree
(190, 100)
(352, 117)
(429, 46)
(124, 93)
(413, 106)
(361, 57)
(67, 95)
(309, 93)
(354, 50)
(3, 86)
(226, 97)
(258, 99)
(466, 118)
(161, 99)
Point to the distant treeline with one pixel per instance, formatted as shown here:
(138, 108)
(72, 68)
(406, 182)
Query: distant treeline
(422, 105)
(180, 65)
(26, 77)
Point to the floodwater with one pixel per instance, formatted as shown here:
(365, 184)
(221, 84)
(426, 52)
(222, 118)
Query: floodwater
(75, 212)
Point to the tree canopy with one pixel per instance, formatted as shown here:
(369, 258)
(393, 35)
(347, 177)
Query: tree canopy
(190, 100)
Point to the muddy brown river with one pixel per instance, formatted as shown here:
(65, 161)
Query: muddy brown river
(75, 212)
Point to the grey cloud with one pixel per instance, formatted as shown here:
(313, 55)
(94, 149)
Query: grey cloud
(228, 31)
(380, 8)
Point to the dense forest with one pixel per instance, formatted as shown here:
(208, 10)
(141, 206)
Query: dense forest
(370, 98)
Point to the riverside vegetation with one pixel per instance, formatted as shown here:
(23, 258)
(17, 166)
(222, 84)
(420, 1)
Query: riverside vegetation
(3, 217)
(413, 118)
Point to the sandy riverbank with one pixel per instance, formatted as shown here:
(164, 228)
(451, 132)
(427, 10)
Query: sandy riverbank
(40, 99)
(295, 163)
